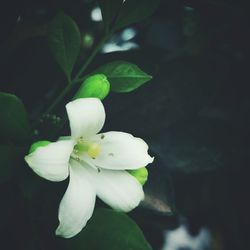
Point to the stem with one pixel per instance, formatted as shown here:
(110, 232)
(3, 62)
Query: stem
(93, 54)
(77, 78)
(58, 99)
(52, 106)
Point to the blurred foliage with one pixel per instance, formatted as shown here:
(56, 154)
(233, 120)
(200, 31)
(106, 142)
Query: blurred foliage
(64, 40)
(109, 230)
(118, 14)
(14, 124)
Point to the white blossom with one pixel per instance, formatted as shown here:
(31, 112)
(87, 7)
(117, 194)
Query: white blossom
(95, 163)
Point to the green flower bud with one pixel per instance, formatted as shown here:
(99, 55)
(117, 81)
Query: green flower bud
(38, 144)
(140, 174)
(94, 86)
(88, 40)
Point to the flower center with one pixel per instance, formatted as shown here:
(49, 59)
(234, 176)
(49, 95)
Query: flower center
(92, 149)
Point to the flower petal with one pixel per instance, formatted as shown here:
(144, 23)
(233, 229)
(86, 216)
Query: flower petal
(78, 202)
(118, 189)
(52, 161)
(86, 116)
(119, 151)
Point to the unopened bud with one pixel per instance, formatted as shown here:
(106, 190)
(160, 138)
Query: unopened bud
(141, 174)
(94, 86)
(38, 144)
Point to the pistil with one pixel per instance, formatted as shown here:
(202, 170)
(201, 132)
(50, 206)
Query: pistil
(92, 149)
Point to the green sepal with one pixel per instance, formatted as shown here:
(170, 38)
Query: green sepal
(141, 174)
(94, 86)
(38, 144)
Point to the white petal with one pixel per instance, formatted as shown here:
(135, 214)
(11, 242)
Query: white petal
(78, 202)
(86, 116)
(119, 189)
(119, 151)
(52, 161)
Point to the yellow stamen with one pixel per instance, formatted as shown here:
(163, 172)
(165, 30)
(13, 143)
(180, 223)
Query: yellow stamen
(93, 150)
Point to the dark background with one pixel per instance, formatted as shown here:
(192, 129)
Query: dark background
(194, 114)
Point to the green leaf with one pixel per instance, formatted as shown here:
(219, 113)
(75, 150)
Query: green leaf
(14, 124)
(110, 10)
(134, 11)
(108, 230)
(8, 158)
(64, 39)
(123, 76)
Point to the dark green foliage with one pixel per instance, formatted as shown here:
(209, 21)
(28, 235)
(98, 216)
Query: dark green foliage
(110, 10)
(14, 124)
(64, 40)
(124, 76)
(118, 14)
(8, 161)
(108, 229)
(135, 11)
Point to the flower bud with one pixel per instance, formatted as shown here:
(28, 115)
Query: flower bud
(141, 174)
(94, 86)
(38, 144)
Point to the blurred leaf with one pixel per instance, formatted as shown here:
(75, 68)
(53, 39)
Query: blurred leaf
(8, 157)
(135, 11)
(14, 124)
(159, 189)
(64, 40)
(108, 230)
(110, 9)
(123, 76)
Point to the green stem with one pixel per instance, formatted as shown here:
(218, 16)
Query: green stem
(77, 78)
(58, 99)
(93, 54)
(54, 103)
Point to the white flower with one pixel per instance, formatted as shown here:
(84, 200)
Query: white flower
(95, 163)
